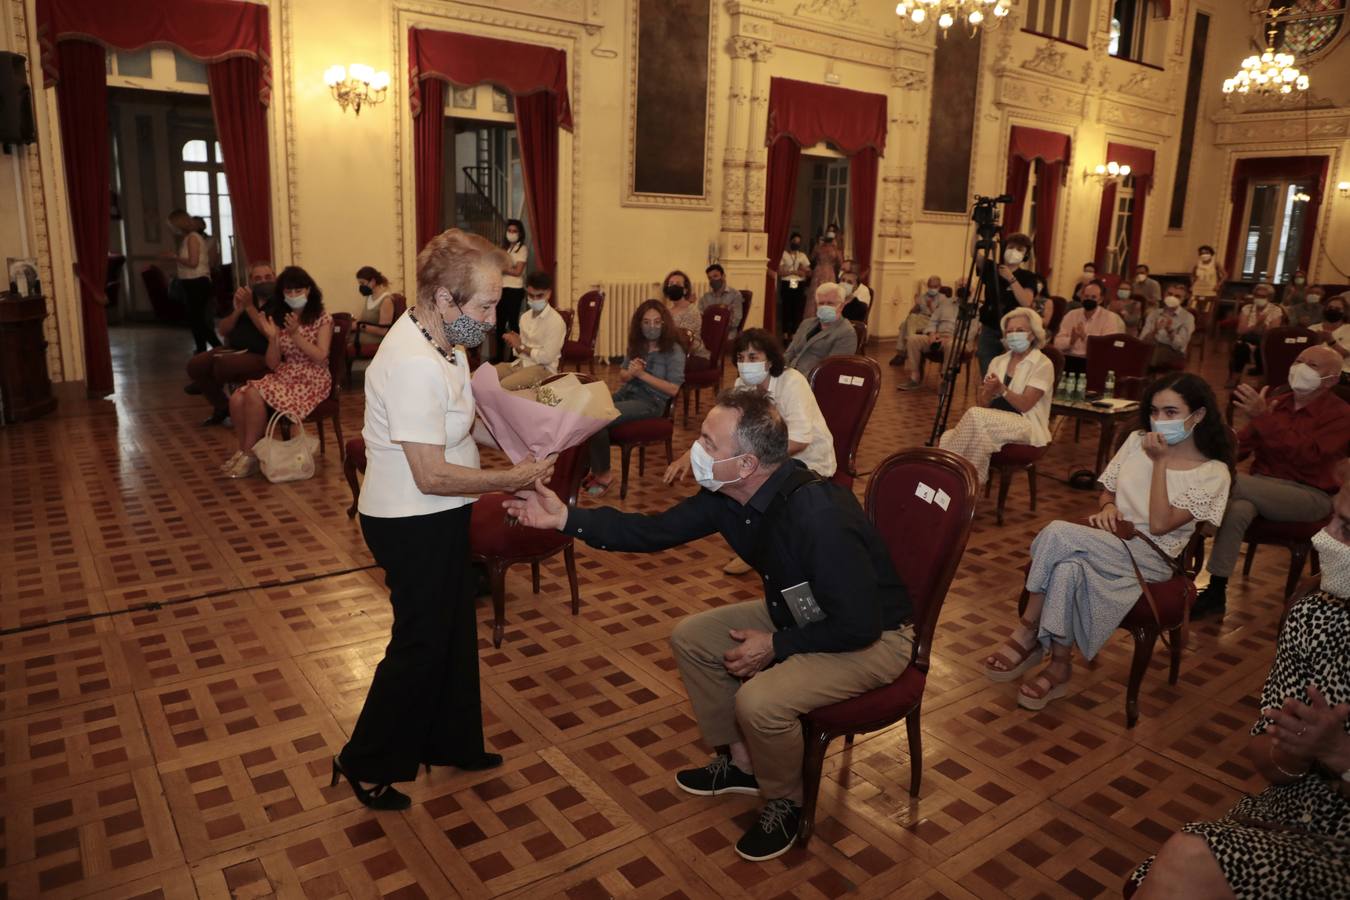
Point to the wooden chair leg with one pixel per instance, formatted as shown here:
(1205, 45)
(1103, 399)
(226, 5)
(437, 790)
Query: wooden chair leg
(915, 751)
(1298, 557)
(686, 407)
(1249, 559)
(570, 561)
(1077, 429)
(627, 453)
(1031, 484)
(337, 431)
(321, 437)
(670, 451)
(1175, 638)
(1144, 639)
(813, 759)
(497, 575)
(1004, 482)
(349, 469)
(988, 486)
(534, 575)
(642, 460)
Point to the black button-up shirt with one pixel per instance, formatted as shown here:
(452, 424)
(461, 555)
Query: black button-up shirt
(821, 536)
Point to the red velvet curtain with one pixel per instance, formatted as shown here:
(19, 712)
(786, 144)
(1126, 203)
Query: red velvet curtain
(1141, 162)
(241, 125)
(811, 113)
(1019, 176)
(862, 205)
(428, 161)
(83, 111)
(780, 191)
(537, 127)
(1025, 147)
(1047, 205)
(1308, 168)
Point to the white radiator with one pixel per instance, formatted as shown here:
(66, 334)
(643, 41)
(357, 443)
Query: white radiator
(622, 299)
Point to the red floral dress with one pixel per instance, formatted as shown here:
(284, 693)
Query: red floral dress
(299, 384)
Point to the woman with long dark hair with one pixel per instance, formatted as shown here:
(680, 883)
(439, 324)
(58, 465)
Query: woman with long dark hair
(679, 292)
(653, 371)
(513, 284)
(299, 334)
(1171, 474)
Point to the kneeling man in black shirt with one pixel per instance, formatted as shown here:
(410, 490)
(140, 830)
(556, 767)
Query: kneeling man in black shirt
(833, 624)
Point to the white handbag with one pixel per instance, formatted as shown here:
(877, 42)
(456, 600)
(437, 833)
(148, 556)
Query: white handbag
(291, 460)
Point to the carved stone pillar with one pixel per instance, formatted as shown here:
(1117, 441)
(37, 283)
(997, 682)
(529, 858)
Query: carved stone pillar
(733, 160)
(893, 265)
(756, 152)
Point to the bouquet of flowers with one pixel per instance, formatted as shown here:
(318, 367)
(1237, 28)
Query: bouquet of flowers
(554, 416)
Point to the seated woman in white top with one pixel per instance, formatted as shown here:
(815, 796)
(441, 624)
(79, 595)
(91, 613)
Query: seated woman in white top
(1173, 472)
(1015, 397)
(1334, 330)
(538, 345)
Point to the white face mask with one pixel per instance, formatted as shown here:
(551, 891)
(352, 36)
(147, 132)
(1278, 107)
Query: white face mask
(1206, 257)
(1140, 279)
(1260, 301)
(1314, 299)
(753, 373)
(537, 305)
(933, 292)
(1303, 378)
(1171, 301)
(1013, 256)
(701, 461)
(296, 301)
(1335, 559)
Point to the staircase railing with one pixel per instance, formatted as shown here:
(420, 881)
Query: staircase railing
(483, 204)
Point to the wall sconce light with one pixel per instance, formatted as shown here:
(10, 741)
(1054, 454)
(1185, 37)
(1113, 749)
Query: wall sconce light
(1108, 172)
(356, 85)
(1344, 188)
(1302, 197)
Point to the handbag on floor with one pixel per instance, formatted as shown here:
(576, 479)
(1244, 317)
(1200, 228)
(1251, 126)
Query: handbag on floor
(291, 460)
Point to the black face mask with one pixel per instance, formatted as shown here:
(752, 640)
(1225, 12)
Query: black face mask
(263, 292)
(366, 290)
(716, 285)
(1335, 314)
(674, 292)
(796, 245)
(1089, 305)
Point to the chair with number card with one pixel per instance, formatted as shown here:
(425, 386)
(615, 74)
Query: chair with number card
(846, 389)
(1012, 458)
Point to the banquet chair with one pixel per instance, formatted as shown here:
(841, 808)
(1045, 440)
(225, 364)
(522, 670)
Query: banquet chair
(366, 350)
(926, 541)
(354, 462)
(642, 433)
(1123, 354)
(846, 389)
(1279, 348)
(716, 324)
(589, 308)
(330, 407)
(861, 329)
(1011, 458)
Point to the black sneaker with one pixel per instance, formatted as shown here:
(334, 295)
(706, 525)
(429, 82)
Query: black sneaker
(898, 359)
(216, 418)
(1213, 599)
(773, 834)
(717, 777)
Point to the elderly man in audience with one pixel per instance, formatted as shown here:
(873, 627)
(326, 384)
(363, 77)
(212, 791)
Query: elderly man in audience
(1334, 330)
(1289, 840)
(538, 346)
(1146, 284)
(244, 356)
(937, 333)
(719, 293)
(1255, 319)
(916, 322)
(827, 333)
(1297, 440)
(1306, 312)
(1169, 329)
(1080, 324)
(1130, 305)
(832, 624)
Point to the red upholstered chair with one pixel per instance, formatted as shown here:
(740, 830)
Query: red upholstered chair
(1123, 354)
(641, 434)
(861, 329)
(716, 324)
(1296, 537)
(354, 461)
(330, 407)
(589, 307)
(1280, 348)
(366, 349)
(1012, 458)
(935, 356)
(846, 389)
(926, 543)
(567, 316)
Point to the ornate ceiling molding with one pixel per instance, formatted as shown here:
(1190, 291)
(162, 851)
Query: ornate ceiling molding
(1293, 128)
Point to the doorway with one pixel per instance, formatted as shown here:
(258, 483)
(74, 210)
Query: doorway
(822, 199)
(1275, 230)
(484, 184)
(1118, 249)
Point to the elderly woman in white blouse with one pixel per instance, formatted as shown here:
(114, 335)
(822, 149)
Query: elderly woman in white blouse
(422, 474)
(1015, 397)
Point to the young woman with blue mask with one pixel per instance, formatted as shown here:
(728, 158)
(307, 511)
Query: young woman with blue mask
(1171, 474)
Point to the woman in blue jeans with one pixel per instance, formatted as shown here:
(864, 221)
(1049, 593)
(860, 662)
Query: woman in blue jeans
(652, 374)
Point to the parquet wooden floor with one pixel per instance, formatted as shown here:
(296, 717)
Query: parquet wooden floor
(180, 656)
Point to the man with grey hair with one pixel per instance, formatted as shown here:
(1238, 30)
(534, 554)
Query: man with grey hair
(825, 334)
(833, 624)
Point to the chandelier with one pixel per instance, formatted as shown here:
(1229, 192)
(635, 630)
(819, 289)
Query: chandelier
(1271, 75)
(920, 15)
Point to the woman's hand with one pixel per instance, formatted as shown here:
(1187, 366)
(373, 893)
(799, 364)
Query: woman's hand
(538, 507)
(677, 470)
(1155, 446)
(988, 389)
(636, 367)
(1310, 731)
(292, 323)
(1106, 518)
(527, 472)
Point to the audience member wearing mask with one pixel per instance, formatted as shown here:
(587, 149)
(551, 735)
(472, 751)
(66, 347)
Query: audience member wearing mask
(1288, 840)
(753, 668)
(1080, 324)
(652, 373)
(1171, 474)
(192, 260)
(1169, 329)
(1307, 312)
(1014, 398)
(1088, 276)
(1007, 287)
(760, 367)
(1296, 291)
(1130, 305)
(857, 295)
(1296, 439)
(827, 333)
(1335, 331)
(1254, 320)
(1146, 284)
(826, 263)
(721, 294)
(297, 354)
(244, 356)
(513, 285)
(377, 302)
(1207, 277)
(937, 333)
(678, 291)
(916, 322)
(538, 345)
(794, 273)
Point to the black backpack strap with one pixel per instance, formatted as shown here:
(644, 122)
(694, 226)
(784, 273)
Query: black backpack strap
(799, 478)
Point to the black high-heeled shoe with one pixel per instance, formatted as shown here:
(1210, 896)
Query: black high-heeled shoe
(382, 796)
(479, 763)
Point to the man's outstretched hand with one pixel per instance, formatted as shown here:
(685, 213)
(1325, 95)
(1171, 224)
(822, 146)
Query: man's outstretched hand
(538, 507)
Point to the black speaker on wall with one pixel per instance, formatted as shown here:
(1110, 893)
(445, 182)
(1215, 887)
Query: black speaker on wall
(16, 101)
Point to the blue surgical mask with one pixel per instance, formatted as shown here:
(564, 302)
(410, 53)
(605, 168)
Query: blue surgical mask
(296, 301)
(538, 305)
(827, 314)
(1174, 431)
(1018, 341)
(753, 373)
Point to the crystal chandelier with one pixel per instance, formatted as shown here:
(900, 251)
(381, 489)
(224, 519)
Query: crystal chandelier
(920, 15)
(1271, 75)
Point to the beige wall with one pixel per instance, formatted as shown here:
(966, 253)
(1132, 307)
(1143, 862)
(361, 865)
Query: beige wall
(342, 185)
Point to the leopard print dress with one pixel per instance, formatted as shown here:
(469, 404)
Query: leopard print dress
(1292, 840)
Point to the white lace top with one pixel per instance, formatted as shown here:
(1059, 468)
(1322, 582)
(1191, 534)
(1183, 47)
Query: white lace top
(1335, 558)
(1202, 492)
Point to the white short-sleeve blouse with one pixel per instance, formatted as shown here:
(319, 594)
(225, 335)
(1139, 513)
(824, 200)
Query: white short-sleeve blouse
(413, 394)
(1037, 371)
(519, 254)
(1202, 492)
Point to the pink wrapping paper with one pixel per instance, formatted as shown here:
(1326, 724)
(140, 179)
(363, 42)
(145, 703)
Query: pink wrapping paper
(523, 427)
